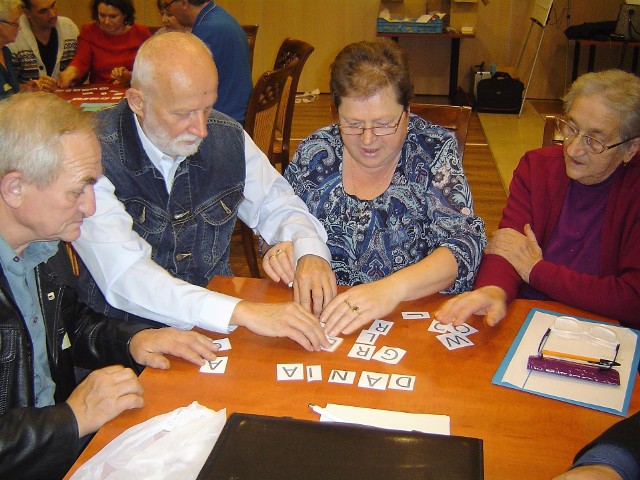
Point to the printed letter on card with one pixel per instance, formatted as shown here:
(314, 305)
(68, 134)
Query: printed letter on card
(390, 355)
(376, 381)
(363, 352)
(402, 382)
(219, 365)
(290, 371)
(342, 376)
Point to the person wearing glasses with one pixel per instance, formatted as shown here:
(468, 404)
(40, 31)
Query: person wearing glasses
(570, 231)
(614, 455)
(107, 47)
(10, 11)
(389, 189)
(44, 47)
(169, 22)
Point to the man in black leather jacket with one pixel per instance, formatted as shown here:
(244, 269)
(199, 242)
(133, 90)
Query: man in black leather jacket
(49, 160)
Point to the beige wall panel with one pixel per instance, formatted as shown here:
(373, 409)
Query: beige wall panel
(501, 28)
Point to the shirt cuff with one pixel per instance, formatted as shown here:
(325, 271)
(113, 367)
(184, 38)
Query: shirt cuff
(310, 246)
(618, 458)
(216, 312)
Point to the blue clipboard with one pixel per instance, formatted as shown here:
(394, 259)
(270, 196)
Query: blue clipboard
(498, 378)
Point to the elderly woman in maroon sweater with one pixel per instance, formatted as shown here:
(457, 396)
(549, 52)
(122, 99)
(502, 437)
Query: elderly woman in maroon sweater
(571, 229)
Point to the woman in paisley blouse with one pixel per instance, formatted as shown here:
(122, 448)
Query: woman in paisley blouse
(390, 191)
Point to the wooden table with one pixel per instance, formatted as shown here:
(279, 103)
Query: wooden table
(525, 436)
(454, 56)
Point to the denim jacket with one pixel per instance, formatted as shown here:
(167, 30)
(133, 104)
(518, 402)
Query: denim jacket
(190, 228)
(35, 442)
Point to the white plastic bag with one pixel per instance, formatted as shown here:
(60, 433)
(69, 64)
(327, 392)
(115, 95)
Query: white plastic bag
(172, 446)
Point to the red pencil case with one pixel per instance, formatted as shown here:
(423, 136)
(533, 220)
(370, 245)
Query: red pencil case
(565, 368)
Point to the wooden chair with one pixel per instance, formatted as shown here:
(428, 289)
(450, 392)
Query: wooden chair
(451, 117)
(550, 134)
(290, 50)
(260, 124)
(251, 31)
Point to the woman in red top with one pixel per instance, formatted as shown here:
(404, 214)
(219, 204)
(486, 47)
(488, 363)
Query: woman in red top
(571, 229)
(107, 47)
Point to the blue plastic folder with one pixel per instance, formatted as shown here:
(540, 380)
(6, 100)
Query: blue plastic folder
(513, 372)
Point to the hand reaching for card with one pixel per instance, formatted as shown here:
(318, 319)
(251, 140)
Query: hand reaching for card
(358, 306)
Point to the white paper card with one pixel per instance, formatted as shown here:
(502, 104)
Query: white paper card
(402, 382)
(381, 326)
(437, 327)
(373, 380)
(219, 365)
(342, 376)
(290, 371)
(368, 337)
(362, 351)
(314, 373)
(453, 341)
(390, 355)
(335, 343)
(223, 344)
(415, 315)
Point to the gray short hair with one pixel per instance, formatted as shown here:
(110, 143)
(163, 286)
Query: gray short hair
(7, 7)
(31, 127)
(620, 92)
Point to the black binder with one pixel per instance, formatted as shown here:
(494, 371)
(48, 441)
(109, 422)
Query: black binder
(268, 448)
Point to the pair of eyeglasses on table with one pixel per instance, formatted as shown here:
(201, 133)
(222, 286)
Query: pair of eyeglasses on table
(571, 329)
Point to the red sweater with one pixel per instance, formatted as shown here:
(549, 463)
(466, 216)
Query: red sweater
(99, 53)
(536, 196)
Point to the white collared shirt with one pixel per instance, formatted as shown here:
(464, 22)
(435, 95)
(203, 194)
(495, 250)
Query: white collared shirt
(120, 260)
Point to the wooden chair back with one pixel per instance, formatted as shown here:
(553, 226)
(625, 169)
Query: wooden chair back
(451, 117)
(251, 31)
(550, 134)
(260, 124)
(290, 50)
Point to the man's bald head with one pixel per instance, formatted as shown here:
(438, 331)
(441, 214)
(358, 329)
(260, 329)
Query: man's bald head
(172, 60)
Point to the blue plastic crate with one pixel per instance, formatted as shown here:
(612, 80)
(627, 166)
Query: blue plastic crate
(433, 26)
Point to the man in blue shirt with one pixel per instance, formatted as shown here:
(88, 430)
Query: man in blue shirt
(228, 44)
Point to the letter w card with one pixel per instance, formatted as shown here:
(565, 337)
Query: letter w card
(454, 341)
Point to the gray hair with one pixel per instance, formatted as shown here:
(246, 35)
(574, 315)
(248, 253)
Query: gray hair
(159, 47)
(619, 90)
(31, 127)
(7, 7)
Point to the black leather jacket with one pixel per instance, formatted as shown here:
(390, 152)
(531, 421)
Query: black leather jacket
(43, 442)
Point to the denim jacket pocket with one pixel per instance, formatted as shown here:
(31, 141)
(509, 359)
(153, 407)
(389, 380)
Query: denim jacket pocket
(219, 218)
(149, 221)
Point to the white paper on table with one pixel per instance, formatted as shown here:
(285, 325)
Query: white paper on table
(570, 389)
(392, 420)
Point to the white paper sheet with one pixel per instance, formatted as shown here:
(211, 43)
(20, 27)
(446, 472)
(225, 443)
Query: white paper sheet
(421, 422)
(611, 397)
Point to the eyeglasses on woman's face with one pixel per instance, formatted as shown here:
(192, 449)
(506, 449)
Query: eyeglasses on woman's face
(378, 131)
(11, 24)
(593, 145)
(165, 6)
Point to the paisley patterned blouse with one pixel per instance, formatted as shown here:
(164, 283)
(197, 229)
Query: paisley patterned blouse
(427, 205)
